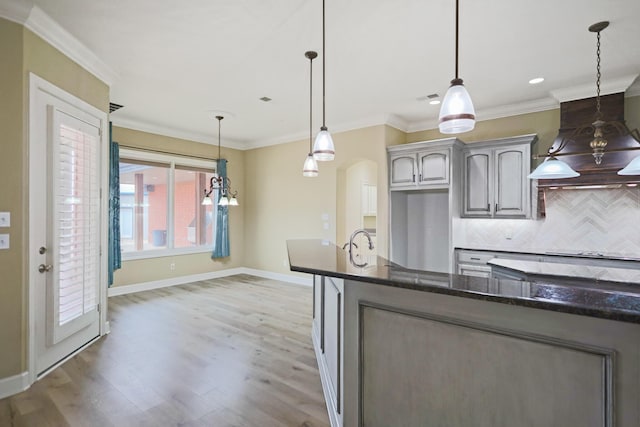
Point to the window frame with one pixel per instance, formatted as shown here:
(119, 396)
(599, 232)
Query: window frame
(171, 161)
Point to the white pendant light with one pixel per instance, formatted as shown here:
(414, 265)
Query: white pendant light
(310, 167)
(553, 168)
(457, 114)
(633, 168)
(323, 148)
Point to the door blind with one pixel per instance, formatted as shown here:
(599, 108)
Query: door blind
(77, 202)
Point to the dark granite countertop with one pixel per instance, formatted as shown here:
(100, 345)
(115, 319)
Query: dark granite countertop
(607, 300)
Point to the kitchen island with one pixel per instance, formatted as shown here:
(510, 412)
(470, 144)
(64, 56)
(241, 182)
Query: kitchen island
(399, 347)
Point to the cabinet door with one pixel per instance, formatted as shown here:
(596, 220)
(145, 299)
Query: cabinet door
(477, 184)
(369, 199)
(333, 338)
(511, 182)
(433, 167)
(403, 170)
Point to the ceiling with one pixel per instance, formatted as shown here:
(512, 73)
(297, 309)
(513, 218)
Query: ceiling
(177, 63)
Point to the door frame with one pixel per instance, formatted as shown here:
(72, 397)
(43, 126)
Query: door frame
(36, 85)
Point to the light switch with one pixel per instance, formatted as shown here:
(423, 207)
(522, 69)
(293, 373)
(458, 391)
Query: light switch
(5, 219)
(4, 241)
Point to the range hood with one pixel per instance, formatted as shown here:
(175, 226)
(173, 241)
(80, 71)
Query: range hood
(575, 132)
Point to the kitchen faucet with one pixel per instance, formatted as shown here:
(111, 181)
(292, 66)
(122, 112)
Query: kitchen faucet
(352, 244)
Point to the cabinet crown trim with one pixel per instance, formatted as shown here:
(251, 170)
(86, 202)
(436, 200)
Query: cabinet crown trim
(494, 143)
(424, 145)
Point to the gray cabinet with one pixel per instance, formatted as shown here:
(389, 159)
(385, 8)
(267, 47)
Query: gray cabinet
(495, 178)
(420, 165)
(474, 263)
(424, 180)
(327, 333)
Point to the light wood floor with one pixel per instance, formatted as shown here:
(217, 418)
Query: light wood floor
(227, 352)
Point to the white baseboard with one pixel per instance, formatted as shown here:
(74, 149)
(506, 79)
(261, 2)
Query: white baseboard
(289, 278)
(14, 384)
(156, 284)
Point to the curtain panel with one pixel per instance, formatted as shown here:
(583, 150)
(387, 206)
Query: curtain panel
(114, 256)
(221, 241)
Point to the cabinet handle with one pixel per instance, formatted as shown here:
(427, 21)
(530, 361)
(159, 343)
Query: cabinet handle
(488, 207)
(496, 208)
(414, 177)
(475, 259)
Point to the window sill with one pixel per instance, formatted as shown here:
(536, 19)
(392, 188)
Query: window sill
(161, 253)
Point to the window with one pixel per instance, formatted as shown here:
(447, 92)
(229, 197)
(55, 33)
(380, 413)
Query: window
(160, 205)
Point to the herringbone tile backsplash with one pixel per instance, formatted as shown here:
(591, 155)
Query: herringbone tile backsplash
(606, 221)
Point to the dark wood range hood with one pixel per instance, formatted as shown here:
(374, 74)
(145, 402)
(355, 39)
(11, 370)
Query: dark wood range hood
(575, 115)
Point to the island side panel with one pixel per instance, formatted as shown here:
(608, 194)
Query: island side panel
(500, 357)
(432, 372)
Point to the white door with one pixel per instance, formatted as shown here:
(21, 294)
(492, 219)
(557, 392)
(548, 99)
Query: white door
(65, 218)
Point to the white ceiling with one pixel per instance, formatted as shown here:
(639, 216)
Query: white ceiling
(176, 62)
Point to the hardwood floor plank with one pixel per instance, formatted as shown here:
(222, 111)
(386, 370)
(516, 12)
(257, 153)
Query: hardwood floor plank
(233, 351)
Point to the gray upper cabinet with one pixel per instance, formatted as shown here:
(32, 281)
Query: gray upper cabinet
(421, 165)
(403, 170)
(495, 178)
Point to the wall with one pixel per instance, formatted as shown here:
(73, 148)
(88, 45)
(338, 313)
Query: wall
(12, 199)
(151, 269)
(23, 52)
(282, 204)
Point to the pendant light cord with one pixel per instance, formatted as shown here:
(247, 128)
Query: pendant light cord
(219, 121)
(310, 106)
(598, 75)
(324, 55)
(457, 18)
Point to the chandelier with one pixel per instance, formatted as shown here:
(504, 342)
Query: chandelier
(220, 183)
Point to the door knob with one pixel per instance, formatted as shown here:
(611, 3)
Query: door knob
(43, 268)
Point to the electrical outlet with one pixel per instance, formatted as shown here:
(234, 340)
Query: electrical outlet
(284, 263)
(5, 219)
(172, 266)
(4, 241)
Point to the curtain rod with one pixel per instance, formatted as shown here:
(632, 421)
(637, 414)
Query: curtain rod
(164, 152)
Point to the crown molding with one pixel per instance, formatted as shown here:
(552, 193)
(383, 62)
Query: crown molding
(15, 10)
(527, 107)
(587, 90)
(377, 120)
(140, 126)
(41, 24)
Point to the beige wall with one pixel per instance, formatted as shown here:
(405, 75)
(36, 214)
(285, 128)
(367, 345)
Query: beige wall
(12, 196)
(145, 270)
(282, 204)
(23, 52)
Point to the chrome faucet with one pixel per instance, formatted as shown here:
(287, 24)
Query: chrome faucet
(352, 244)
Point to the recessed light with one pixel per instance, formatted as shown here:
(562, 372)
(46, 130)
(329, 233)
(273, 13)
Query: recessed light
(434, 102)
(536, 80)
(265, 99)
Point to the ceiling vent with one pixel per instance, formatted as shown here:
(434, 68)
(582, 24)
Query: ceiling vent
(113, 107)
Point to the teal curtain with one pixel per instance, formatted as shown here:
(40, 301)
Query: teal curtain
(114, 257)
(221, 241)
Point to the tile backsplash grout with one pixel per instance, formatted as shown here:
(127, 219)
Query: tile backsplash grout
(581, 220)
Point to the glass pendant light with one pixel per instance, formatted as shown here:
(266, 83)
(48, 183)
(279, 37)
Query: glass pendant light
(457, 114)
(633, 168)
(310, 167)
(323, 148)
(553, 168)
